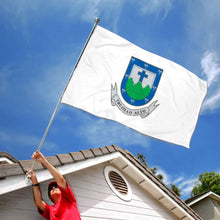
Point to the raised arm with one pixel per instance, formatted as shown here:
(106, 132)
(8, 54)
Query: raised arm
(36, 191)
(39, 157)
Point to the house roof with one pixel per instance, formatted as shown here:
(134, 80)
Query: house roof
(6, 158)
(201, 196)
(123, 159)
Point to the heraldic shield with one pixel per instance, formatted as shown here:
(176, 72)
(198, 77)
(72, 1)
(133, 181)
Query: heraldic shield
(140, 82)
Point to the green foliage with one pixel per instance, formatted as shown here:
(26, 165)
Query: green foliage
(136, 91)
(154, 171)
(142, 159)
(160, 176)
(175, 189)
(207, 181)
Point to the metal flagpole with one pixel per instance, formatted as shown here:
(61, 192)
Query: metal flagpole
(56, 108)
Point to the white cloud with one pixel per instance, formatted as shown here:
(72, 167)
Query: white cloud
(55, 77)
(155, 7)
(185, 185)
(210, 67)
(24, 12)
(204, 33)
(178, 180)
(14, 139)
(211, 70)
(203, 30)
(105, 9)
(212, 103)
(101, 132)
(166, 176)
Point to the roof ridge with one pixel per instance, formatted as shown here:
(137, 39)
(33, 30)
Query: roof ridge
(9, 156)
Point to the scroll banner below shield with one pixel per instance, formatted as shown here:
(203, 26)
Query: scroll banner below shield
(143, 112)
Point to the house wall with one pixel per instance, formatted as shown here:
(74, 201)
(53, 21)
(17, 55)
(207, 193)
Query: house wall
(94, 197)
(206, 209)
(18, 205)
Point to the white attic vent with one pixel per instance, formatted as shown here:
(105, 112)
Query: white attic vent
(117, 183)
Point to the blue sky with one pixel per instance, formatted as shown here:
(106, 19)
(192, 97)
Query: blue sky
(40, 42)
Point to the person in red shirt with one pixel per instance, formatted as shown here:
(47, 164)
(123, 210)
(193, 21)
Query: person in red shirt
(60, 193)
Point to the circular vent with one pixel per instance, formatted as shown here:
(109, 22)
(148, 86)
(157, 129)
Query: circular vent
(117, 183)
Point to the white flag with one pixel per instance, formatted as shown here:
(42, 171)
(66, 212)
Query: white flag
(118, 80)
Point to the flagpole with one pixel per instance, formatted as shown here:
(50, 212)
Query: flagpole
(57, 106)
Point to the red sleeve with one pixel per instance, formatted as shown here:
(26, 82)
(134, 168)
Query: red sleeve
(68, 194)
(46, 212)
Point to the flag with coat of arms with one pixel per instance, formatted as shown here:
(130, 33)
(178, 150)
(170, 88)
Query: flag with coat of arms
(120, 81)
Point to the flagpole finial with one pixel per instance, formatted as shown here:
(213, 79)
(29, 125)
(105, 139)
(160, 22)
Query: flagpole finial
(97, 20)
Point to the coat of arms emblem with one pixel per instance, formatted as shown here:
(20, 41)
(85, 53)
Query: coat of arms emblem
(140, 82)
(138, 87)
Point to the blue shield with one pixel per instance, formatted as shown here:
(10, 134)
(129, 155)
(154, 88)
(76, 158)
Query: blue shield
(140, 82)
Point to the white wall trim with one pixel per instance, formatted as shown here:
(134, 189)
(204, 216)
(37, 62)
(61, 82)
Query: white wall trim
(12, 183)
(6, 159)
(211, 194)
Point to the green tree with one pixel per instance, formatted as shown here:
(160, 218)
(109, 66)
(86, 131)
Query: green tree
(175, 189)
(142, 159)
(207, 181)
(160, 176)
(154, 171)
